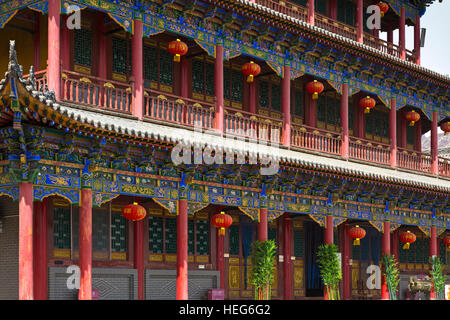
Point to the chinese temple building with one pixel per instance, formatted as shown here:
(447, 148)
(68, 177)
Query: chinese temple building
(293, 117)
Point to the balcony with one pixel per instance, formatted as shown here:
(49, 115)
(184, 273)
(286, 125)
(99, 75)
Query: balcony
(301, 13)
(169, 109)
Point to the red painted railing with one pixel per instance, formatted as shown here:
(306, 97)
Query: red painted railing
(169, 108)
(412, 160)
(444, 167)
(248, 125)
(316, 140)
(287, 8)
(334, 26)
(370, 151)
(97, 92)
(41, 80)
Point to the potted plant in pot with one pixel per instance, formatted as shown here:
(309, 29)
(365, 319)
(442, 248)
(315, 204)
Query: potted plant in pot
(330, 270)
(263, 258)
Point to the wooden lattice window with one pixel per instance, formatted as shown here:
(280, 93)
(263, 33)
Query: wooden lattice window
(410, 133)
(156, 234)
(297, 103)
(171, 235)
(100, 227)
(203, 76)
(299, 243)
(151, 63)
(234, 239)
(417, 253)
(321, 6)
(269, 95)
(346, 12)
(121, 54)
(303, 3)
(158, 67)
(118, 233)
(233, 84)
(377, 123)
(191, 237)
(272, 234)
(202, 239)
(61, 228)
(83, 47)
(329, 109)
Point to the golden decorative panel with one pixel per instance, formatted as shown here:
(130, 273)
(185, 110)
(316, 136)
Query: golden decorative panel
(247, 293)
(202, 259)
(299, 293)
(119, 77)
(61, 253)
(166, 88)
(155, 257)
(297, 224)
(233, 261)
(118, 255)
(234, 277)
(298, 277)
(355, 278)
(234, 293)
(82, 69)
(171, 258)
(99, 255)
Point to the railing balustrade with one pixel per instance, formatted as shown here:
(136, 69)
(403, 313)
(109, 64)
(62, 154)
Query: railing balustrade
(370, 151)
(316, 140)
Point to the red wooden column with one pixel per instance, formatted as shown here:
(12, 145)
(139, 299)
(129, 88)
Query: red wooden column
(311, 114)
(262, 225)
(346, 276)
(418, 132)
(286, 106)
(390, 37)
(328, 239)
(54, 47)
(40, 250)
(138, 73)
(252, 97)
(26, 241)
(393, 131)
(359, 21)
(417, 40)
(401, 34)
(395, 240)
(434, 145)
(182, 250)
(344, 121)
(184, 90)
(385, 249)
(433, 252)
(311, 12)
(139, 255)
(85, 262)
(220, 242)
(218, 89)
(403, 128)
(287, 264)
(37, 42)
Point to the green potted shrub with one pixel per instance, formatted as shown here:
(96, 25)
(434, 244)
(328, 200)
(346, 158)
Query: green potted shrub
(261, 277)
(330, 270)
(391, 273)
(437, 277)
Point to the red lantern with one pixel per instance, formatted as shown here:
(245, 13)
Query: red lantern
(447, 242)
(178, 48)
(356, 233)
(383, 8)
(134, 212)
(412, 117)
(314, 87)
(445, 126)
(367, 103)
(251, 70)
(407, 238)
(221, 221)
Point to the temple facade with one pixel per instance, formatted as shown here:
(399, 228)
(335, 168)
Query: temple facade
(293, 117)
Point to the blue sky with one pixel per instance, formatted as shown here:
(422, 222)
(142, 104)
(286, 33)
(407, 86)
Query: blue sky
(436, 53)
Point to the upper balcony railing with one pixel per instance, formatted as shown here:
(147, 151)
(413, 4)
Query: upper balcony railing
(189, 113)
(301, 13)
